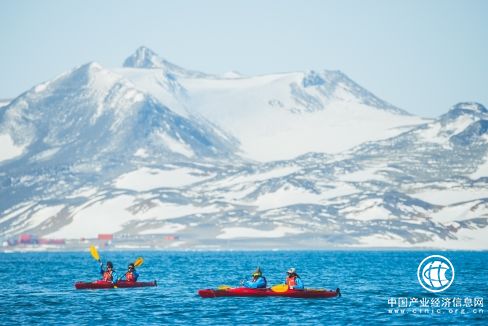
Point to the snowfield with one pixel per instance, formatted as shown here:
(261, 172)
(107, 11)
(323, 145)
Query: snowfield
(269, 117)
(9, 149)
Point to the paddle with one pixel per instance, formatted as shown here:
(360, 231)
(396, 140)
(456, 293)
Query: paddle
(227, 287)
(224, 287)
(138, 262)
(279, 288)
(274, 288)
(94, 253)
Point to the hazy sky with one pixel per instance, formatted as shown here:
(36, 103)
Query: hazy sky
(423, 56)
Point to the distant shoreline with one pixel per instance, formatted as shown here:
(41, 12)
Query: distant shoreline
(357, 249)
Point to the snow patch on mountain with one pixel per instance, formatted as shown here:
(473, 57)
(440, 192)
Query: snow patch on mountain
(9, 149)
(461, 211)
(260, 175)
(266, 133)
(176, 145)
(289, 195)
(161, 85)
(441, 133)
(45, 155)
(452, 195)
(481, 171)
(97, 213)
(43, 213)
(85, 192)
(145, 179)
(366, 174)
(113, 214)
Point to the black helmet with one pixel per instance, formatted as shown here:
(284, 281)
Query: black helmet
(131, 265)
(109, 264)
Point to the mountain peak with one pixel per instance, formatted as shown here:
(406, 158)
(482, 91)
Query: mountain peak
(89, 68)
(470, 106)
(90, 73)
(312, 78)
(331, 81)
(143, 57)
(472, 109)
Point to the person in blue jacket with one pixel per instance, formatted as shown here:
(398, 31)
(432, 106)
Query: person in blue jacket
(258, 281)
(293, 281)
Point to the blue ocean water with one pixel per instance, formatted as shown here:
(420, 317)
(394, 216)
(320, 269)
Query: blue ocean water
(38, 288)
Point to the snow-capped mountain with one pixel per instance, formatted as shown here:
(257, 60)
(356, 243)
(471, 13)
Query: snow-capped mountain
(94, 113)
(403, 191)
(451, 146)
(309, 159)
(277, 116)
(85, 128)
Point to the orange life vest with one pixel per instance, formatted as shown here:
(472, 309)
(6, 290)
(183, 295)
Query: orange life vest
(291, 281)
(107, 276)
(130, 277)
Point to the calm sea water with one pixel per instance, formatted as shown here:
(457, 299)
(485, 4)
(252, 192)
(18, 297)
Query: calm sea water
(38, 288)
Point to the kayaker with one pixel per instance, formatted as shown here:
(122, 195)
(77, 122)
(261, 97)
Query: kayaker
(109, 274)
(293, 281)
(131, 275)
(258, 281)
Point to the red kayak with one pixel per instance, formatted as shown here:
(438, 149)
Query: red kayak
(109, 285)
(246, 292)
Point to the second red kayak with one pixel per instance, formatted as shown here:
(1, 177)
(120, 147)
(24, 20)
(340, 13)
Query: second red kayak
(246, 292)
(109, 285)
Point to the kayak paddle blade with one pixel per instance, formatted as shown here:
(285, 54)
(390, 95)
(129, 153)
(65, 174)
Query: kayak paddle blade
(94, 252)
(138, 262)
(279, 288)
(224, 287)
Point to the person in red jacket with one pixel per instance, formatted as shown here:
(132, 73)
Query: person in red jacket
(109, 274)
(293, 281)
(131, 275)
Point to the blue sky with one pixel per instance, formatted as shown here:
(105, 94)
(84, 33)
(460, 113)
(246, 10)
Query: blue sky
(423, 56)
